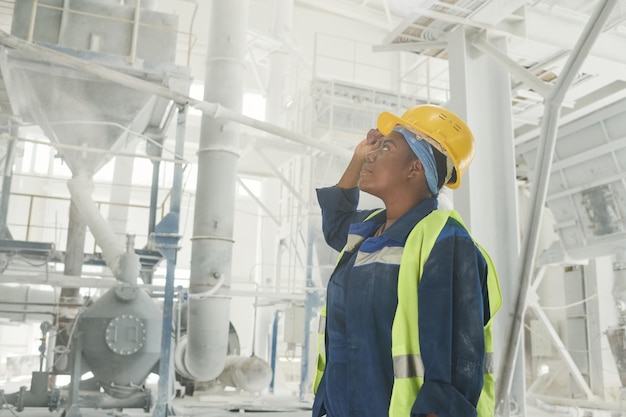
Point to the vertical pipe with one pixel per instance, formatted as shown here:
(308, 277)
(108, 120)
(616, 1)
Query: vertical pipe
(218, 154)
(541, 181)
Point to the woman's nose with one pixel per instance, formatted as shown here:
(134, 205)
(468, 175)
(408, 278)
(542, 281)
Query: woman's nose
(372, 155)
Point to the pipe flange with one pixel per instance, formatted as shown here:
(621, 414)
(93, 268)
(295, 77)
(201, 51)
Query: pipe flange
(125, 334)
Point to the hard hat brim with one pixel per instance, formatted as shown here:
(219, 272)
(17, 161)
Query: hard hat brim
(387, 121)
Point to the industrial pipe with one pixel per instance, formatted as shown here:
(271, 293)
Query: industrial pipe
(80, 188)
(124, 264)
(218, 154)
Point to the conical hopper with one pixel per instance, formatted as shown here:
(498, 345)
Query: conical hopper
(89, 118)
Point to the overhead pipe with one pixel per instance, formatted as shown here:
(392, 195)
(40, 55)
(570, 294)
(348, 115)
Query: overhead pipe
(212, 109)
(540, 183)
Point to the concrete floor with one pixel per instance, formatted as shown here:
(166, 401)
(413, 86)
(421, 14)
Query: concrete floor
(201, 404)
(190, 407)
(230, 404)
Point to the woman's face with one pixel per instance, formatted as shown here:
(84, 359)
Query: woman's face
(387, 167)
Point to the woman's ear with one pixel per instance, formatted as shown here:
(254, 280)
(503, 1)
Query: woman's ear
(416, 167)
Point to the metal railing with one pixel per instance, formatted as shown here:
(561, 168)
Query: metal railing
(29, 225)
(135, 22)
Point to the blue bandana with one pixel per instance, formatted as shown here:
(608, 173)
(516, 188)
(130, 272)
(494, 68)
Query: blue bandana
(424, 153)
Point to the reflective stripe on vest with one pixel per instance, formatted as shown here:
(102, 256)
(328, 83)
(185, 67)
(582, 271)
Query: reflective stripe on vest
(387, 255)
(411, 366)
(408, 369)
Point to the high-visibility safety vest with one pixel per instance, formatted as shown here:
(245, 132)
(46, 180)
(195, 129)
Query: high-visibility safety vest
(321, 350)
(408, 366)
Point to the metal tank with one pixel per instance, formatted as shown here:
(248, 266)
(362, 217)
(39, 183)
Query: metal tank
(121, 338)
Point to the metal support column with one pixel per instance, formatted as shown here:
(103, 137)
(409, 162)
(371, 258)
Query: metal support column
(166, 240)
(487, 198)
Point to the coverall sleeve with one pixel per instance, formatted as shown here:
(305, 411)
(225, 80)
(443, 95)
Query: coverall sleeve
(451, 319)
(339, 211)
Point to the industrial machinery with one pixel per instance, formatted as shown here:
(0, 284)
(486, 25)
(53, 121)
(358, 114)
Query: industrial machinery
(122, 335)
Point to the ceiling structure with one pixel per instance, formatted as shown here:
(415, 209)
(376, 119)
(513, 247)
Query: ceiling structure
(539, 36)
(421, 27)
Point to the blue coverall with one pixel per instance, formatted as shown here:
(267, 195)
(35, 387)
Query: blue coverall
(361, 303)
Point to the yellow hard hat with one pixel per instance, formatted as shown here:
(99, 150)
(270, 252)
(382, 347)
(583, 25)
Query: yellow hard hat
(446, 128)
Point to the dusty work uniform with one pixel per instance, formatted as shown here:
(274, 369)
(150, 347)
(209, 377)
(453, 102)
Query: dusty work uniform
(361, 304)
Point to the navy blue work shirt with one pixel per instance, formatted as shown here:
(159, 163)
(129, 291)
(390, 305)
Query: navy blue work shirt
(361, 302)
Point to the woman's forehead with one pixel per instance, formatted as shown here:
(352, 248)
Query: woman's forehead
(396, 137)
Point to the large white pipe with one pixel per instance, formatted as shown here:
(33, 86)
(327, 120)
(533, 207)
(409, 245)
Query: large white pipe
(218, 155)
(81, 188)
(124, 264)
